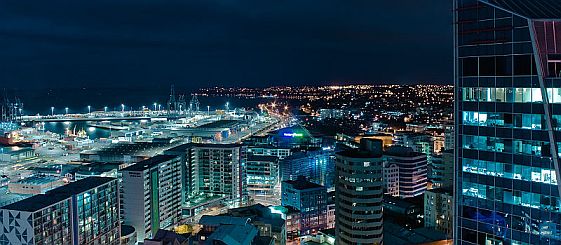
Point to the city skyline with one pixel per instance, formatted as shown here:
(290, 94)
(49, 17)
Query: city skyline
(295, 142)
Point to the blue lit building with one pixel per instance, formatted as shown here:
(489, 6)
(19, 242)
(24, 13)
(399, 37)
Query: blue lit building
(508, 121)
(317, 166)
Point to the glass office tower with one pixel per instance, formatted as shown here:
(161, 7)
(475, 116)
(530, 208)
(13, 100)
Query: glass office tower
(508, 118)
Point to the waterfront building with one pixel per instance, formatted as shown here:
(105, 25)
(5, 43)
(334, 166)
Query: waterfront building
(101, 169)
(35, 185)
(125, 152)
(219, 169)
(16, 153)
(151, 194)
(508, 95)
(212, 174)
(82, 212)
(359, 195)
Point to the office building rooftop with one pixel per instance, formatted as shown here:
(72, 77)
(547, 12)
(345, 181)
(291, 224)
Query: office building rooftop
(355, 153)
(302, 184)
(149, 163)
(262, 158)
(41, 201)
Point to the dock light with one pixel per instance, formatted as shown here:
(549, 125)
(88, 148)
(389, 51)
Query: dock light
(155, 105)
(105, 109)
(123, 107)
(89, 109)
(52, 110)
(66, 109)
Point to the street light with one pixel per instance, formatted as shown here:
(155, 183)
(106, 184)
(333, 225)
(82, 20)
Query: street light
(52, 110)
(66, 109)
(208, 110)
(105, 109)
(227, 106)
(89, 109)
(155, 104)
(123, 107)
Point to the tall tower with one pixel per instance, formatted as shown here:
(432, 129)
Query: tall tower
(359, 194)
(507, 123)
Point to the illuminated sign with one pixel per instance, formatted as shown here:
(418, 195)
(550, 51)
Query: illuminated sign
(293, 135)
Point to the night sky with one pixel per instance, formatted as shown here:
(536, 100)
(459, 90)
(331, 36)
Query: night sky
(199, 43)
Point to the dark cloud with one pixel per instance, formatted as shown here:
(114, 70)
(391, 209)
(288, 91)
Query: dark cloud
(197, 43)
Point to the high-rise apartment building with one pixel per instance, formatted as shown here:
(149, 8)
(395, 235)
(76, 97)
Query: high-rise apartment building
(219, 169)
(263, 179)
(412, 169)
(151, 194)
(82, 212)
(214, 169)
(358, 195)
(508, 121)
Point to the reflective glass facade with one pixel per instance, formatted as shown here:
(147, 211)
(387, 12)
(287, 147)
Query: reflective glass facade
(508, 110)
